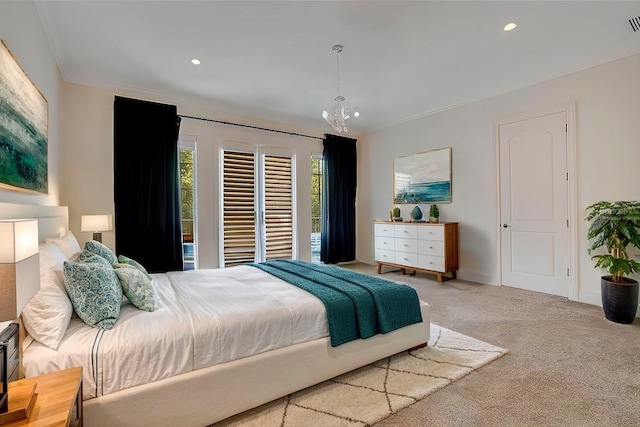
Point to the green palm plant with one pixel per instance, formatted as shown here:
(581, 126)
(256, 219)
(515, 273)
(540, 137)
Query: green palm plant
(615, 226)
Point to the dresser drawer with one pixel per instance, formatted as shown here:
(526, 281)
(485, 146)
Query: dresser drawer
(430, 247)
(431, 263)
(383, 230)
(431, 232)
(406, 231)
(385, 255)
(406, 258)
(383, 242)
(406, 245)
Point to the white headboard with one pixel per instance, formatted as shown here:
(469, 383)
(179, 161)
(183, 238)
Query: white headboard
(53, 221)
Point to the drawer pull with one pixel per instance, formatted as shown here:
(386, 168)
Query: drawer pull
(406, 259)
(405, 231)
(384, 243)
(431, 247)
(405, 245)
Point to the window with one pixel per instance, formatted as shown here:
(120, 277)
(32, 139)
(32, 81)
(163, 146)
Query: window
(238, 206)
(256, 185)
(187, 150)
(278, 208)
(316, 206)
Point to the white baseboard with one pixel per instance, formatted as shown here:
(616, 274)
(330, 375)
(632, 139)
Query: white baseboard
(473, 276)
(593, 298)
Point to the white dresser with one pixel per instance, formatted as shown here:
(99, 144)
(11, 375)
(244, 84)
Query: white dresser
(418, 246)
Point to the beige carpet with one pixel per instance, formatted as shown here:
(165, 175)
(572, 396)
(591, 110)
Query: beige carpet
(372, 393)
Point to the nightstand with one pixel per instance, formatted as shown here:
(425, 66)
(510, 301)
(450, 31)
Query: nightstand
(58, 402)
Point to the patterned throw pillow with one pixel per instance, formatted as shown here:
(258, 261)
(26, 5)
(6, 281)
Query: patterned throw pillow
(102, 250)
(136, 286)
(89, 257)
(126, 260)
(94, 291)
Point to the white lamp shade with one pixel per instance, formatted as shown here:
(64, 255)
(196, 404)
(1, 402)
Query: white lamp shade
(96, 223)
(19, 239)
(19, 268)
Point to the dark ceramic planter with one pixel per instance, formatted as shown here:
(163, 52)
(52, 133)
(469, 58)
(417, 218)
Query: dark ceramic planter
(619, 300)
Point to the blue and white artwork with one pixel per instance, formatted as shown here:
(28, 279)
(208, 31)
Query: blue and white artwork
(23, 129)
(423, 177)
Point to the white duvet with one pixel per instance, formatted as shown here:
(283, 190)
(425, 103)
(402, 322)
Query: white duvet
(203, 318)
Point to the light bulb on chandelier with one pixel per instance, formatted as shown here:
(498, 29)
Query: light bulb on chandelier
(339, 113)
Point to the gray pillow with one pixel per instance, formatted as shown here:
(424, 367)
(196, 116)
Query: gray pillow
(136, 286)
(102, 250)
(94, 291)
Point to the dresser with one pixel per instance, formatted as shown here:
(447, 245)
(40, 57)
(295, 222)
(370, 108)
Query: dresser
(418, 246)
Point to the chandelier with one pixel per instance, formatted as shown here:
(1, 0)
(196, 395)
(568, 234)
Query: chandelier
(339, 113)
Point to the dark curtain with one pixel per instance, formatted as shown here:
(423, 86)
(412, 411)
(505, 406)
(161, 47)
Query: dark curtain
(146, 184)
(338, 231)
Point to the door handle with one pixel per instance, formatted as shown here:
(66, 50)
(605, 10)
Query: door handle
(506, 225)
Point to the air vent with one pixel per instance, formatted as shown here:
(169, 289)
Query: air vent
(635, 23)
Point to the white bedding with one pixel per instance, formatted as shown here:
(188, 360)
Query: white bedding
(203, 318)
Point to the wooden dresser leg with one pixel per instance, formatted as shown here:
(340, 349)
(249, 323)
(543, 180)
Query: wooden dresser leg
(379, 268)
(439, 277)
(453, 274)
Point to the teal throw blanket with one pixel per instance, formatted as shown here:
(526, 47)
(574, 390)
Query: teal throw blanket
(358, 305)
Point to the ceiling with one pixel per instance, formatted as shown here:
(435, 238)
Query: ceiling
(273, 59)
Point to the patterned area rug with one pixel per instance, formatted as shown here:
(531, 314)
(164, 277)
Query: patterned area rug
(367, 395)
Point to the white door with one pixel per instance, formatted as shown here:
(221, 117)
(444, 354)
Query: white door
(534, 204)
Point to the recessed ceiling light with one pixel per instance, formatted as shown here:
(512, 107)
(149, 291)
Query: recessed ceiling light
(195, 61)
(510, 26)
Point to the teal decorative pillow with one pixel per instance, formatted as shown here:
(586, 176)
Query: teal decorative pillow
(102, 250)
(89, 257)
(126, 260)
(136, 286)
(94, 291)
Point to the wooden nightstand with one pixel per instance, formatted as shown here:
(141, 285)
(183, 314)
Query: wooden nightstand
(58, 402)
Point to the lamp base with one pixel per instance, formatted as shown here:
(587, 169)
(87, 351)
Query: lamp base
(21, 398)
(97, 237)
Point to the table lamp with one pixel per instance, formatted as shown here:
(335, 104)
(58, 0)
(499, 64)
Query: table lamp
(96, 224)
(19, 281)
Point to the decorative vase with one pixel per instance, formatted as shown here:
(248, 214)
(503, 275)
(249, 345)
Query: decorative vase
(416, 214)
(619, 300)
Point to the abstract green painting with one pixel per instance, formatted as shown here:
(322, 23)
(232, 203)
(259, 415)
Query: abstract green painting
(23, 129)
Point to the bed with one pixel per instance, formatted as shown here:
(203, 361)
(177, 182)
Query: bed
(199, 375)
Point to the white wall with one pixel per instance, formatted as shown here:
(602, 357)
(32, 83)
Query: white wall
(608, 155)
(87, 162)
(22, 33)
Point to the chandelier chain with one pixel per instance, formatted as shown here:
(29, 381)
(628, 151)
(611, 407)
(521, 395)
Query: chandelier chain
(338, 63)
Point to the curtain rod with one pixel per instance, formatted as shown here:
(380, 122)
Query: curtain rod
(249, 126)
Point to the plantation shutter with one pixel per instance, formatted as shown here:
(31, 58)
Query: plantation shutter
(278, 207)
(239, 224)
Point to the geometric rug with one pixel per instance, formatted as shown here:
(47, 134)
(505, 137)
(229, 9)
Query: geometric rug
(370, 394)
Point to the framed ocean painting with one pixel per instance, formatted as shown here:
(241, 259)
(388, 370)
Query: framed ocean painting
(423, 177)
(23, 129)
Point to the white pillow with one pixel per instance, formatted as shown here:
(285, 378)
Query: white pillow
(68, 244)
(51, 261)
(46, 316)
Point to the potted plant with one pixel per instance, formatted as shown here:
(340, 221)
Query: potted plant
(434, 213)
(616, 227)
(396, 214)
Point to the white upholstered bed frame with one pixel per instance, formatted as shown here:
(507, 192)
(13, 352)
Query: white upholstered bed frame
(204, 396)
